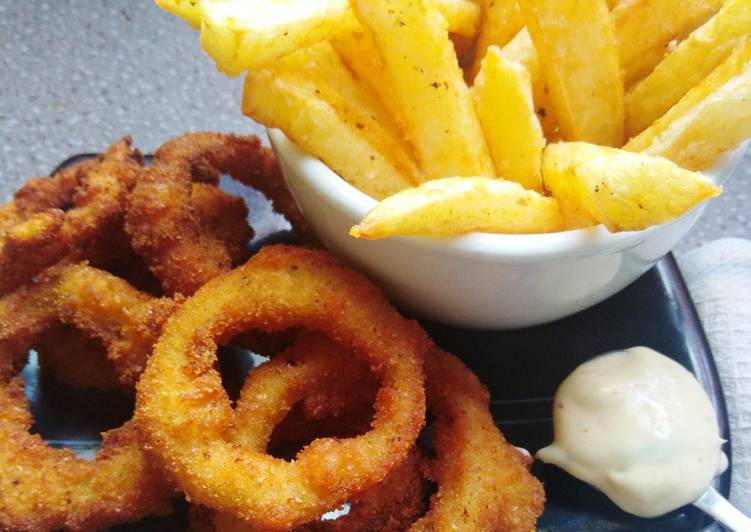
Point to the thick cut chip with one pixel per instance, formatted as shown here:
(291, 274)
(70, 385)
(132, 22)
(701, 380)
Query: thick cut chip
(458, 205)
(321, 122)
(687, 65)
(521, 50)
(434, 101)
(576, 43)
(625, 191)
(646, 29)
(713, 117)
(360, 54)
(503, 99)
(324, 63)
(501, 20)
(241, 35)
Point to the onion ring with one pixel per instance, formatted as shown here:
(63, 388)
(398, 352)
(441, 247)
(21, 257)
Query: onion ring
(483, 481)
(54, 217)
(163, 224)
(42, 488)
(391, 505)
(127, 321)
(185, 414)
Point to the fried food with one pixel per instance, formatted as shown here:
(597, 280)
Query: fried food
(709, 120)
(483, 481)
(458, 205)
(310, 105)
(622, 190)
(125, 320)
(335, 374)
(434, 101)
(240, 38)
(165, 226)
(685, 66)
(53, 218)
(503, 98)
(42, 488)
(185, 415)
(578, 51)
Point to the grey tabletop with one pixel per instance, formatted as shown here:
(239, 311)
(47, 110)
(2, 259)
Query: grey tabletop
(77, 75)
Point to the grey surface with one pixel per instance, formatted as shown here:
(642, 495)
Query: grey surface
(76, 75)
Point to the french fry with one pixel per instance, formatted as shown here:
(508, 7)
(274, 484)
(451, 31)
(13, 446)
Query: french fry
(457, 205)
(324, 62)
(687, 65)
(503, 98)
(241, 35)
(711, 118)
(576, 44)
(434, 101)
(521, 50)
(501, 20)
(322, 122)
(623, 190)
(645, 29)
(361, 55)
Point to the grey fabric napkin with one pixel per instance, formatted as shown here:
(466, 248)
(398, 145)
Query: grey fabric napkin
(718, 276)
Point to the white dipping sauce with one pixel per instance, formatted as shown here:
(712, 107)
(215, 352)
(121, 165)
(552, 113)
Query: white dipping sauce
(639, 427)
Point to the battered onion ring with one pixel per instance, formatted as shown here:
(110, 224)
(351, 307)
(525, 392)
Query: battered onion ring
(483, 481)
(161, 221)
(392, 504)
(54, 217)
(48, 489)
(42, 488)
(186, 416)
(127, 321)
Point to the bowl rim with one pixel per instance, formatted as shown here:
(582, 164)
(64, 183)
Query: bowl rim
(577, 242)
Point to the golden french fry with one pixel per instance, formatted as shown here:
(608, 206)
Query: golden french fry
(458, 205)
(578, 53)
(434, 102)
(687, 65)
(503, 98)
(360, 54)
(322, 122)
(623, 190)
(501, 20)
(521, 50)
(324, 62)
(241, 35)
(710, 119)
(645, 29)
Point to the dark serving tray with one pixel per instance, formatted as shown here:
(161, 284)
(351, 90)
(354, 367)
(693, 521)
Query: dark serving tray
(521, 368)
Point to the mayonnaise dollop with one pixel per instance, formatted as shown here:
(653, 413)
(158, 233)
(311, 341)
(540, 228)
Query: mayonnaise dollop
(640, 428)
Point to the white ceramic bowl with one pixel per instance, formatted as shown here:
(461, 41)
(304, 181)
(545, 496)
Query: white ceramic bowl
(480, 280)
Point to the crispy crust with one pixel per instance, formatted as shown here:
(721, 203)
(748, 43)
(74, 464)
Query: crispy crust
(186, 416)
(483, 481)
(52, 218)
(42, 488)
(164, 226)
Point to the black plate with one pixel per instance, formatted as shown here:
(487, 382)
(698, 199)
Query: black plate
(521, 368)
